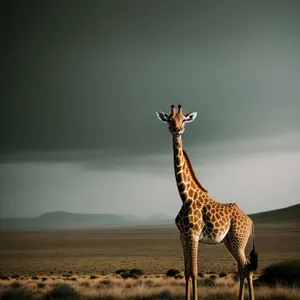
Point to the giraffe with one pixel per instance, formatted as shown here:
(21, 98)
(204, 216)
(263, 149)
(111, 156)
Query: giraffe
(202, 219)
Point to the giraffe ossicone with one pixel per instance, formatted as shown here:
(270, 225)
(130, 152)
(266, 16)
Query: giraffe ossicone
(202, 219)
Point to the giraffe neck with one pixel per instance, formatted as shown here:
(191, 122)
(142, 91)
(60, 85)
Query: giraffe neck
(185, 182)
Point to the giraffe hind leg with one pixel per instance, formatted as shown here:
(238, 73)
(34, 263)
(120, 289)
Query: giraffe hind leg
(236, 247)
(250, 285)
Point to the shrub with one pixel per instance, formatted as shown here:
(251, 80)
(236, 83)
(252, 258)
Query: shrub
(135, 276)
(125, 275)
(34, 278)
(44, 278)
(286, 273)
(16, 285)
(41, 285)
(236, 277)
(200, 274)
(120, 271)
(222, 274)
(93, 277)
(62, 291)
(209, 281)
(4, 277)
(172, 272)
(137, 272)
(74, 278)
(106, 282)
(213, 277)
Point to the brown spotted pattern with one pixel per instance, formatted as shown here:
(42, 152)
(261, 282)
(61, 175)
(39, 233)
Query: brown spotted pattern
(202, 219)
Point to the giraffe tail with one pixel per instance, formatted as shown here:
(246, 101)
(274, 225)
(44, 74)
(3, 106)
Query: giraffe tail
(253, 255)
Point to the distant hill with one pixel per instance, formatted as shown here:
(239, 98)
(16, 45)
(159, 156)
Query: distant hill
(61, 219)
(65, 220)
(287, 215)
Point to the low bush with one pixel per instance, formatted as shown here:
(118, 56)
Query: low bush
(236, 277)
(207, 282)
(172, 273)
(16, 285)
(222, 274)
(285, 273)
(120, 271)
(137, 272)
(126, 275)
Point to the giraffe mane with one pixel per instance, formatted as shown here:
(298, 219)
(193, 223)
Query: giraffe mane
(189, 165)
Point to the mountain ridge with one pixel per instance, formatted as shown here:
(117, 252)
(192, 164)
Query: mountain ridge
(65, 220)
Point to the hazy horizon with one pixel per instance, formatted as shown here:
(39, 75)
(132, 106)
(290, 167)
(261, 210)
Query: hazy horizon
(83, 82)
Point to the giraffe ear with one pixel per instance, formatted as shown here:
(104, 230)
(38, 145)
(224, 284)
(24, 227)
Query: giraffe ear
(190, 117)
(162, 116)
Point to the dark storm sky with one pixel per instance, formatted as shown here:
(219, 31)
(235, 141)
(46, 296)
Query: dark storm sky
(82, 82)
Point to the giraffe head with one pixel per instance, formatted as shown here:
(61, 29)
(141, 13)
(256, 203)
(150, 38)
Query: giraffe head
(176, 120)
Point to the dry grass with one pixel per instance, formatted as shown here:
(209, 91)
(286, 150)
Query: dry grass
(154, 250)
(112, 287)
(77, 263)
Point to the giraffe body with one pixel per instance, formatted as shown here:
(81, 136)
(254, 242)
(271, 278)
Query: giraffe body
(202, 219)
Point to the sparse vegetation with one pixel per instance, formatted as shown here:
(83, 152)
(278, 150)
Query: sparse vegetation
(102, 252)
(105, 287)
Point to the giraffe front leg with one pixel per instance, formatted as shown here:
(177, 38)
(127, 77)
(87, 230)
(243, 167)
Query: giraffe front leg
(194, 241)
(187, 266)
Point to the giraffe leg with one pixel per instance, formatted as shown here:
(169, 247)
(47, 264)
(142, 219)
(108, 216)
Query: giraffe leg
(238, 253)
(187, 267)
(194, 241)
(250, 285)
(242, 283)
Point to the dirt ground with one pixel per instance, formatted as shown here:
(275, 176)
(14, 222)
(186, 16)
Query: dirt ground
(152, 249)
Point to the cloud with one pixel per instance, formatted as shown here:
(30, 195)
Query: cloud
(96, 87)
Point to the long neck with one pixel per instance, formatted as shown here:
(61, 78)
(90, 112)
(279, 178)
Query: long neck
(182, 175)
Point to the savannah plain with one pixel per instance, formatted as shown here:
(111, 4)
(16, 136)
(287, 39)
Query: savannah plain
(45, 261)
